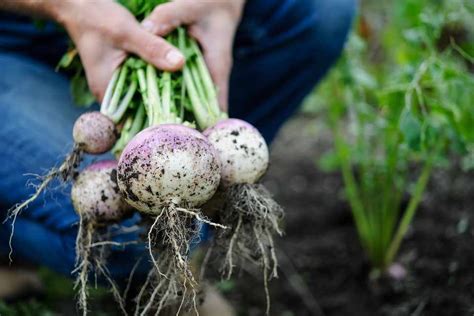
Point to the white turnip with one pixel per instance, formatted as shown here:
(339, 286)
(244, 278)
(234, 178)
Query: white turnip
(167, 171)
(94, 133)
(249, 208)
(97, 200)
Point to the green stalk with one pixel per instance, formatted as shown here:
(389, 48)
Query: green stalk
(109, 91)
(118, 90)
(133, 125)
(206, 80)
(199, 85)
(409, 212)
(198, 109)
(352, 190)
(143, 88)
(154, 102)
(120, 144)
(182, 103)
(117, 116)
(138, 123)
(166, 95)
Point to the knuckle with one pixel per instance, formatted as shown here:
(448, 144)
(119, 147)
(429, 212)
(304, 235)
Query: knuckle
(118, 30)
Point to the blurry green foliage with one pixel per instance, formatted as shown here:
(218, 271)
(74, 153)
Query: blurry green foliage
(399, 103)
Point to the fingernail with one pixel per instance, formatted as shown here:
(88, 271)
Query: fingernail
(174, 57)
(148, 25)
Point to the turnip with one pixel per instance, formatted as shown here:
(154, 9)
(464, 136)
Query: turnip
(96, 199)
(167, 171)
(249, 208)
(94, 133)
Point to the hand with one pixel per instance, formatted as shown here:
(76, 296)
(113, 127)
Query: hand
(212, 23)
(104, 32)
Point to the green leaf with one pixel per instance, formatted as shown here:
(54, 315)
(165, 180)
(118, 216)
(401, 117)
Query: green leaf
(410, 127)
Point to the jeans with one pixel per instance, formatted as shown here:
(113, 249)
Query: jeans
(282, 49)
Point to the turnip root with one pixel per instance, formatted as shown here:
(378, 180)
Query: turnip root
(249, 208)
(96, 199)
(167, 171)
(93, 133)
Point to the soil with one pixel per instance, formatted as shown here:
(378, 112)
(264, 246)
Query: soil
(323, 268)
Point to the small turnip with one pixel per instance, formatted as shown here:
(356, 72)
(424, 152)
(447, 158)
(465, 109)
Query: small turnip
(94, 133)
(249, 209)
(242, 151)
(167, 171)
(97, 200)
(167, 165)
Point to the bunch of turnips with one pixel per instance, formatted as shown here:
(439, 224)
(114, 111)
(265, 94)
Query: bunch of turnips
(175, 151)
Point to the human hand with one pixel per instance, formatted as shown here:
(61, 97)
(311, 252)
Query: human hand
(212, 23)
(104, 32)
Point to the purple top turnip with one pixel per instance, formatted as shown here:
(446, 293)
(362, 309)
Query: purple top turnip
(242, 150)
(168, 164)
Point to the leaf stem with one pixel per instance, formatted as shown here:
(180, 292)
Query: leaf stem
(409, 212)
(109, 91)
(117, 116)
(118, 90)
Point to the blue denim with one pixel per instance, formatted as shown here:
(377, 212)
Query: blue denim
(282, 49)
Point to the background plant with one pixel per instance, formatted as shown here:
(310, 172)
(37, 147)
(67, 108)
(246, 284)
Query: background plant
(399, 104)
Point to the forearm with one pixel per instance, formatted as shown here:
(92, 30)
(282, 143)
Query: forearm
(51, 9)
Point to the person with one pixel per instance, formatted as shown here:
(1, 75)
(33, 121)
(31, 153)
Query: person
(265, 56)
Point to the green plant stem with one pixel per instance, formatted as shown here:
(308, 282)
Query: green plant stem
(199, 86)
(109, 91)
(409, 212)
(124, 104)
(154, 102)
(120, 144)
(138, 122)
(206, 80)
(112, 107)
(351, 189)
(166, 95)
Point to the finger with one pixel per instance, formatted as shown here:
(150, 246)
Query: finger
(99, 62)
(167, 17)
(153, 49)
(103, 73)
